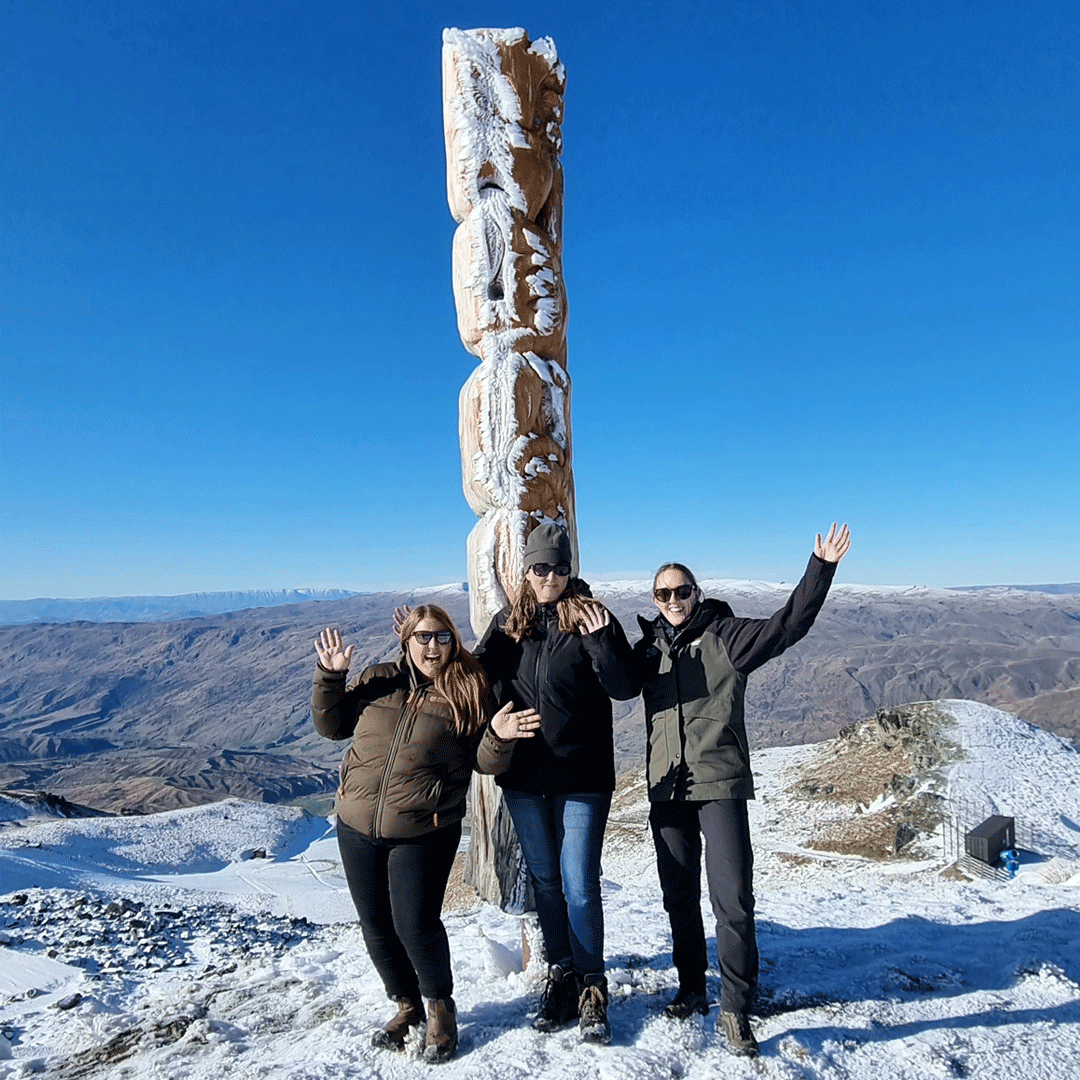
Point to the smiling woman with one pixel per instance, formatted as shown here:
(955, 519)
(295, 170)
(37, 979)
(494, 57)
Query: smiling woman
(429, 647)
(693, 661)
(418, 727)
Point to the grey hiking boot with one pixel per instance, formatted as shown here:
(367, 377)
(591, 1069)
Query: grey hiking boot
(592, 1010)
(441, 1041)
(559, 1002)
(740, 1036)
(392, 1036)
(686, 1002)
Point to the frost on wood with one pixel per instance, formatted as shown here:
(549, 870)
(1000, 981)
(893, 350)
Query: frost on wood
(502, 111)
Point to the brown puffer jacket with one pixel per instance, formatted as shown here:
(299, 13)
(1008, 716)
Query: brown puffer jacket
(407, 770)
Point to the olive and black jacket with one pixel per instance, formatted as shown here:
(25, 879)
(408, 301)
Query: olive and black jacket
(407, 770)
(569, 679)
(693, 680)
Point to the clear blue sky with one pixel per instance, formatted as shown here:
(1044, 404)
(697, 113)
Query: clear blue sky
(822, 261)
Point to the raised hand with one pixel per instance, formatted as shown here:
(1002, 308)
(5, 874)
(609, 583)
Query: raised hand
(595, 618)
(515, 725)
(834, 547)
(331, 655)
(400, 615)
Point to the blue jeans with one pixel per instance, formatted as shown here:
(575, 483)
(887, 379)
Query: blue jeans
(561, 837)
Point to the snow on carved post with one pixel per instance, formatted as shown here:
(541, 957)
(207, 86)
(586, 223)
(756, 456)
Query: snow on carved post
(502, 111)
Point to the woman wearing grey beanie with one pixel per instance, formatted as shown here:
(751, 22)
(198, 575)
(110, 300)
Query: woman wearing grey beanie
(560, 652)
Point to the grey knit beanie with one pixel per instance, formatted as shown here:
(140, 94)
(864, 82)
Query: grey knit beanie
(547, 544)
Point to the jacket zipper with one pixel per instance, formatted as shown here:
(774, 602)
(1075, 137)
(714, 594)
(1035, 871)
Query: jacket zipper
(541, 654)
(410, 710)
(679, 728)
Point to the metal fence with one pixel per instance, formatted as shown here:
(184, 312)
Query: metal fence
(963, 815)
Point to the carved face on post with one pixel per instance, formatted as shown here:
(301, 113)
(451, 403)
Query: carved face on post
(540, 91)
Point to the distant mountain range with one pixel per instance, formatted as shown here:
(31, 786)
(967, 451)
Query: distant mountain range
(1055, 590)
(155, 608)
(194, 605)
(154, 715)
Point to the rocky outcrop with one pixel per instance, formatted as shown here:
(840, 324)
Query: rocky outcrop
(888, 771)
(118, 936)
(15, 805)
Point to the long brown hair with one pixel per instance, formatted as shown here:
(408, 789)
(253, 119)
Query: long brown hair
(462, 680)
(575, 602)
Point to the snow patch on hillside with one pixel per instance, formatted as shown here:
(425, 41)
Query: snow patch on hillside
(1018, 770)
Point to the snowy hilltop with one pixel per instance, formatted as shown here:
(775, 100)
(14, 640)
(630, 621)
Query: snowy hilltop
(220, 941)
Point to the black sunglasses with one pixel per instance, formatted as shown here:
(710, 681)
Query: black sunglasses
(542, 569)
(682, 592)
(443, 637)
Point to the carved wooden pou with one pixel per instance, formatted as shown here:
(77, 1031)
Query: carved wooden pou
(502, 112)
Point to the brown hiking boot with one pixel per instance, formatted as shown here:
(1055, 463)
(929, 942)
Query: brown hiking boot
(739, 1034)
(592, 1010)
(559, 1002)
(392, 1037)
(441, 1042)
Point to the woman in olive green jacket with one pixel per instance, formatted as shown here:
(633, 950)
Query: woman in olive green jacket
(692, 662)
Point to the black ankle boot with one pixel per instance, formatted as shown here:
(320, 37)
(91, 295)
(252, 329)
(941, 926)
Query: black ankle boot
(689, 1000)
(559, 1002)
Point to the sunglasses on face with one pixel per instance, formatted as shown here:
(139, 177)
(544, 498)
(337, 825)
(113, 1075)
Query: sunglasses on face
(681, 592)
(442, 637)
(542, 569)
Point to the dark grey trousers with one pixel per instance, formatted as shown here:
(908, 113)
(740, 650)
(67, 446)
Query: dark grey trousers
(678, 828)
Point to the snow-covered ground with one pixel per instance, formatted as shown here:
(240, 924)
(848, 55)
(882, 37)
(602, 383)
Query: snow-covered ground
(168, 947)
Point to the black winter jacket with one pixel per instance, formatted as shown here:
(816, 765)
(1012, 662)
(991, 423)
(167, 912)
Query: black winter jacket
(569, 679)
(694, 684)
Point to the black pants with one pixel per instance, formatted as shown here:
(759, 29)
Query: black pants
(677, 829)
(398, 888)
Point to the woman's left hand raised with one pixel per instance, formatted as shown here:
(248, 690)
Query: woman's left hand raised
(596, 618)
(515, 725)
(835, 546)
(400, 615)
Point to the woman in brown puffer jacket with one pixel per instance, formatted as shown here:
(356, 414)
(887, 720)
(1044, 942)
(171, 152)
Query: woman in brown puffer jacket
(418, 728)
